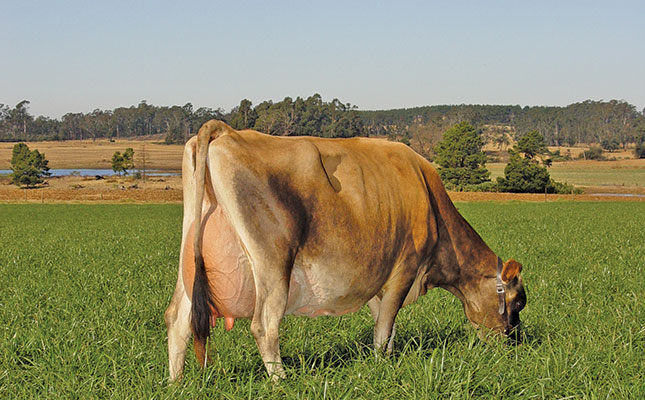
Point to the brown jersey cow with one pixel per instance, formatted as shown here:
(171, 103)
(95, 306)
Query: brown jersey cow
(312, 226)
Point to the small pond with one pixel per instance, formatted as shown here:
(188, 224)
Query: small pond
(617, 194)
(94, 172)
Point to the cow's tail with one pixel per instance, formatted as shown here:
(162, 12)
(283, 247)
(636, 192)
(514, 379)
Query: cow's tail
(202, 302)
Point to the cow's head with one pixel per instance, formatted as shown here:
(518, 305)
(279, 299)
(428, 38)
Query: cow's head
(498, 300)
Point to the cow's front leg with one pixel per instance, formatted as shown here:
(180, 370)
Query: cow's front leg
(383, 328)
(375, 304)
(391, 302)
(177, 319)
(272, 290)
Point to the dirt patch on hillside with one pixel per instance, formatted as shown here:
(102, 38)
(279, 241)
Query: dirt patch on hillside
(88, 189)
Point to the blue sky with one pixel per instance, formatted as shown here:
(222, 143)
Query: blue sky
(75, 56)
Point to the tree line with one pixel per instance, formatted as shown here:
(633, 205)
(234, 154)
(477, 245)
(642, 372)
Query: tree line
(311, 116)
(615, 123)
(586, 122)
(176, 122)
(299, 117)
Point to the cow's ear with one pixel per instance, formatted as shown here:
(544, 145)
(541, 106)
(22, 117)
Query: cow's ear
(510, 270)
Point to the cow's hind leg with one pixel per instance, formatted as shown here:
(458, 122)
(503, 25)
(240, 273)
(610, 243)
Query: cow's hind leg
(271, 262)
(272, 290)
(375, 305)
(270, 220)
(177, 318)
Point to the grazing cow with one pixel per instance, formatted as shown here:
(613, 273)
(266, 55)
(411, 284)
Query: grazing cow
(312, 226)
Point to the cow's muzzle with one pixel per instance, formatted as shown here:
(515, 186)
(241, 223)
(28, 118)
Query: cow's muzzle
(514, 333)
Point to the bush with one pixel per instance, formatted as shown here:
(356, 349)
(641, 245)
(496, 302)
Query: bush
(523, 175)
(463, 176)
(594, 153)
(610, 144)
(123, 162)
(551, 187)
(639, 151)
(480, 187)
(531, 144)
(460, 157)
(29, 167)
(557, 156)
(562, 188)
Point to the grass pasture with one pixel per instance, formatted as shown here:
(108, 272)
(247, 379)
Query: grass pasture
(626, 174)
(84, 288)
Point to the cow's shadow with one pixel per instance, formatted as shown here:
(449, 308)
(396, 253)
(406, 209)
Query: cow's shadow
(343, 354)
(362, 347)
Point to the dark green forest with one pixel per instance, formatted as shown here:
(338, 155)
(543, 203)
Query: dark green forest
(422, 127)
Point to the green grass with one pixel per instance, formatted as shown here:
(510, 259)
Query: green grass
(84, 288)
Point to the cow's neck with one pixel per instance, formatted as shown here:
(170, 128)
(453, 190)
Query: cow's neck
(462, 258)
